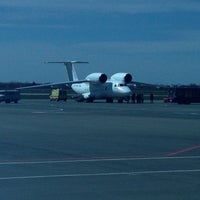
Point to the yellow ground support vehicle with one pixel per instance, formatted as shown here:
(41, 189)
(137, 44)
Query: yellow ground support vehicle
(58, 95)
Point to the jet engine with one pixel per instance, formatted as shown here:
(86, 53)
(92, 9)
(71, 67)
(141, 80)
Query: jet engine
(122, 77)
(97, 77)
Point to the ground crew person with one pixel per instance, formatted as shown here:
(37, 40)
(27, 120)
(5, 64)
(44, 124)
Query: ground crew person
(151, 97)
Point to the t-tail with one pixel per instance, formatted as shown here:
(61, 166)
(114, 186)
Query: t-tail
(72, 75)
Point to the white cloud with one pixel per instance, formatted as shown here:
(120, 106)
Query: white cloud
(121, 6)
(33, 12)
(130, 48)
(27, 53)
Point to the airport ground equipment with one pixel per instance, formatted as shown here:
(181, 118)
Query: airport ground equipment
(58, 95)
(184, 94)
(9, 96)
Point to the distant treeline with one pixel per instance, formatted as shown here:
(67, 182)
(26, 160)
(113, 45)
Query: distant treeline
(136, 85)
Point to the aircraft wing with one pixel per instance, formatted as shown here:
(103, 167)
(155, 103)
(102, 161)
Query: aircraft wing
(69, 83)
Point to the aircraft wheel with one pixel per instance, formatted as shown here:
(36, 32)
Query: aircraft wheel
(120, 100)
(90, 100)
(109, 100)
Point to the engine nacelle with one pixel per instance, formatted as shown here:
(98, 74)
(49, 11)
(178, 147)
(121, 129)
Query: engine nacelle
(122, 77)
(97, 77)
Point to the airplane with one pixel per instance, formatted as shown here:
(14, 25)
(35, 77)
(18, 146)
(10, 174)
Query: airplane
(96, 85)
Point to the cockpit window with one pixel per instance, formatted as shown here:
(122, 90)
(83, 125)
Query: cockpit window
(121, 85)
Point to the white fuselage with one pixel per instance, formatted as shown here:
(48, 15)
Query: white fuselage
(106, 90)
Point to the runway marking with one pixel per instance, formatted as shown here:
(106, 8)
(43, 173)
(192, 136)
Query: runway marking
(39, 112)
(96, 160)
(183, 151)
(100, 174)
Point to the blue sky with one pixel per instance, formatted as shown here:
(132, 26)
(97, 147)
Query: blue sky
(157, 41)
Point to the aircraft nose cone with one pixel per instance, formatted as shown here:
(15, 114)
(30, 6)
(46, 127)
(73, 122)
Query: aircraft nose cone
(126, 91)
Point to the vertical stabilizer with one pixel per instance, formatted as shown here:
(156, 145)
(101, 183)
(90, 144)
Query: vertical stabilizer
(72, 76)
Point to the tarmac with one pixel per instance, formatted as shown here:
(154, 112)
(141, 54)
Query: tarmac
(69, 150)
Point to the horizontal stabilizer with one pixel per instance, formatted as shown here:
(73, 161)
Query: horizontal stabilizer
(67, 62)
